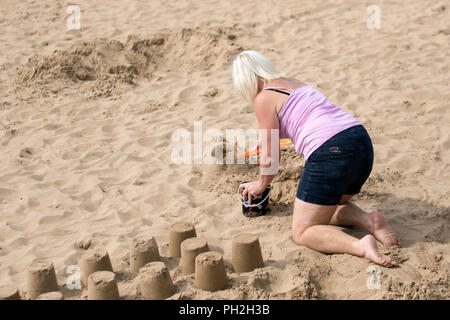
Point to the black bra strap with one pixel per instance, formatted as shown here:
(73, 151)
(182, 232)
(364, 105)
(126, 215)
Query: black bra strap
(278, 91)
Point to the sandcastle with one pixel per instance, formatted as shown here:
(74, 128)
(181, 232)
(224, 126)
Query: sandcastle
(8, 292)
(179, 232)
(210, 271)
(94, 260)
(156, 283)
(190, 249)
(246, 253)
(206, 267)
(143, 250)
(41, 278)
(102, 285)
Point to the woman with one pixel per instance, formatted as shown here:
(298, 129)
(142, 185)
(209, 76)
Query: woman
(338, 153)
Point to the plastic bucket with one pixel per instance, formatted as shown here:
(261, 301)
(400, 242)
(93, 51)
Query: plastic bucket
(258, 206)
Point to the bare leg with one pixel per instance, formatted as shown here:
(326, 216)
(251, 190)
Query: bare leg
(310, 228)
(349, 214)
(330, 239)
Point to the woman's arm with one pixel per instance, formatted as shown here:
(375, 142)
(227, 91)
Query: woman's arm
(265, 110)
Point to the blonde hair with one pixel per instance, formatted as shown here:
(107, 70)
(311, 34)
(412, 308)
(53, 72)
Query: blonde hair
(248, 67)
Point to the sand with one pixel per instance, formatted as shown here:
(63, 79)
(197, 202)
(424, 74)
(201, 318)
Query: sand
(86, 119)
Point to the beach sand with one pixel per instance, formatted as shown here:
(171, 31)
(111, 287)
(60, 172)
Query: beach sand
(87, 117)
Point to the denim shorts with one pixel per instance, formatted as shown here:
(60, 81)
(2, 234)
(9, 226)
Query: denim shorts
(339, 166)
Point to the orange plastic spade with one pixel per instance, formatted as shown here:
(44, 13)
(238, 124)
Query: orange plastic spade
(283, 142)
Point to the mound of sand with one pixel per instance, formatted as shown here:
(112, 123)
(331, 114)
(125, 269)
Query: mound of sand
(225, 178)
(101, 66)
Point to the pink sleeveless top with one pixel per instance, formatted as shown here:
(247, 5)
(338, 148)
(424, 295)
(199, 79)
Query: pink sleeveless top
(309, 119)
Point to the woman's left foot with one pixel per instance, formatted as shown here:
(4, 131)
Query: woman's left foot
(383, 231)
(368, 245)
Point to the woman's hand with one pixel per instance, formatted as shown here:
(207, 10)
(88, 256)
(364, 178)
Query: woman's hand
(252, 189)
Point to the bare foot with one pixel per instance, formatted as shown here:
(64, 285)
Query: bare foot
(368, 244)
(383, 231)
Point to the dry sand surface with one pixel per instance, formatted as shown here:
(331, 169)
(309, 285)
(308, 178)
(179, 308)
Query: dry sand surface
(87, 115)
